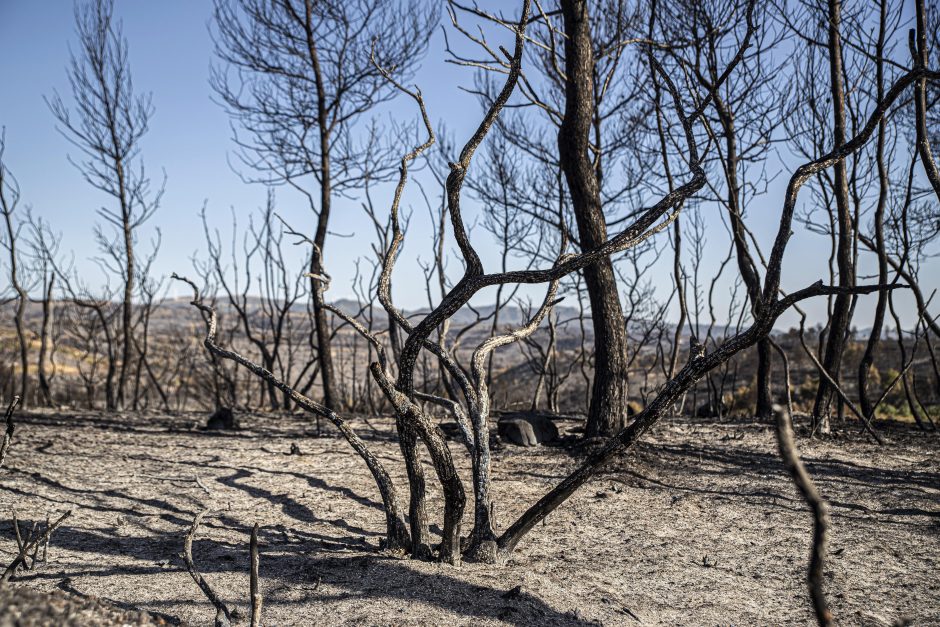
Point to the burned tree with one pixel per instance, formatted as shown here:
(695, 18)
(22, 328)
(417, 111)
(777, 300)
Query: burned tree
(609, 396)
(44, 245)
(261, 292)
(9, 428)
(867, 360)
(575, 108)
(9, 198)
(742, 117)
(863, 46)
(106, 124)
(845, 227)
(297, 77)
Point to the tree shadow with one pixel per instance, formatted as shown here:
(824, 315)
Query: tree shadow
(293, 567)
(822, 468)
(289, 506)
(98, 497)
(378, 578)
(698, 468)
(66, 586)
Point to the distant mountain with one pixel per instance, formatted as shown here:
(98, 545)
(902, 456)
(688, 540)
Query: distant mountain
(175, 310)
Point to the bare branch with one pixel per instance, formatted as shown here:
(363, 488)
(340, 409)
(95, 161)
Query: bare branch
(32, 544)
(818, 506)
(223, 616)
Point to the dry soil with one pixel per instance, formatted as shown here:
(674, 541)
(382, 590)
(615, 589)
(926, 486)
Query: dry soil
(698, 526)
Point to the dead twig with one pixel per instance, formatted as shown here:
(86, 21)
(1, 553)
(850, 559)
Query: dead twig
(201, 484)
(256, 600)
(28, 550)
(224, 617)
(819, 507)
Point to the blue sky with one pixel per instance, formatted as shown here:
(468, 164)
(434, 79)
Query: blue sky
(190, 135)
(190, 138)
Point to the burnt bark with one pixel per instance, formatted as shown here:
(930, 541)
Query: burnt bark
(45, 346)
(699, 362)
(920, 54)
(322, 323)
(746, 265)
(845, 233)
(874, 337)
(607, 411)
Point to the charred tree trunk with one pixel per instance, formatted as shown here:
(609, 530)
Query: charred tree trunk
(9, 198)
(607, 411)
(864, 366)
(44, 346)
(320, 319)
(921, 56)
(841, 311)
(746, 265)
(417, 512)
(127, 306)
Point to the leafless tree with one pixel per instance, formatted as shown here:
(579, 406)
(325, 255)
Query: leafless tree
(742, 120)
(871, 56)
(218, 387)
(545, 358)
(297, 77)
(107, 123)
(9, 198)
(579, 85)
(261, 291)
(44, 246)
(845, 228)
(853, 45)
(865, 364)
(145, 379)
